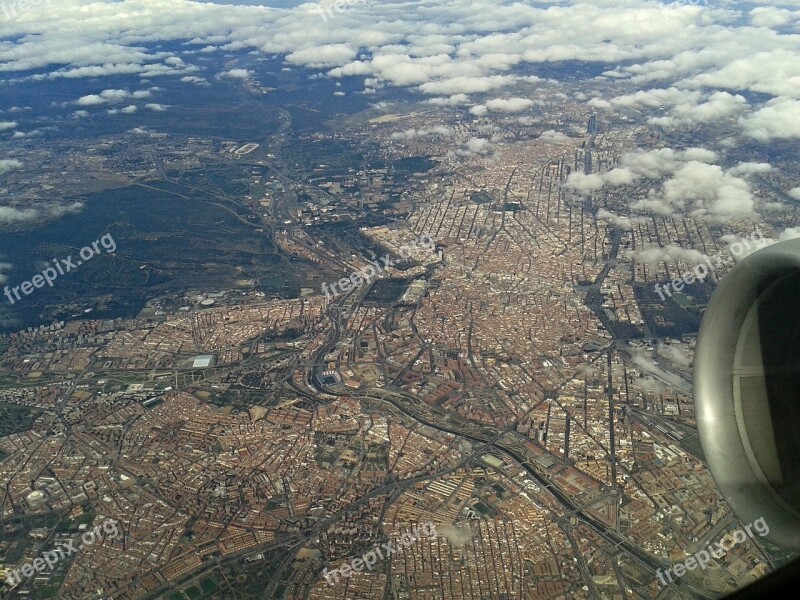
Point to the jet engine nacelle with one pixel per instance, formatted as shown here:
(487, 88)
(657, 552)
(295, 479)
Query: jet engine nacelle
(747, 389)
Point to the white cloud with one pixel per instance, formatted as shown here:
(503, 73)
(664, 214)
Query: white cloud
(620, 176)
(465, 85)
(780, 118)
(194, 79)
(237, 74)
(583, 183)
(410, 134)
(10, 215)
(115, 95)
(750, 168)
(7, 165)
(769, 16)
(626, 223)
(90, 100)
(653, 257)
(789, 233)
(111, 96)
(656, 98)
(696, 64)
(718, 106)
(640, 164)
(705, 191)
(326, 55)
(458, 535)
(454, 100)
(479, 146)
(692, 185)
(450, 48)
(509, 105)
(5, 266)
(680, 356)
(555, 137)
(599, 103)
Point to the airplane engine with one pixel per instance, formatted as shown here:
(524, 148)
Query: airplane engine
(747, 389)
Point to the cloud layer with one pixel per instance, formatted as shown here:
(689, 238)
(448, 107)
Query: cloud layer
(693, 61)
